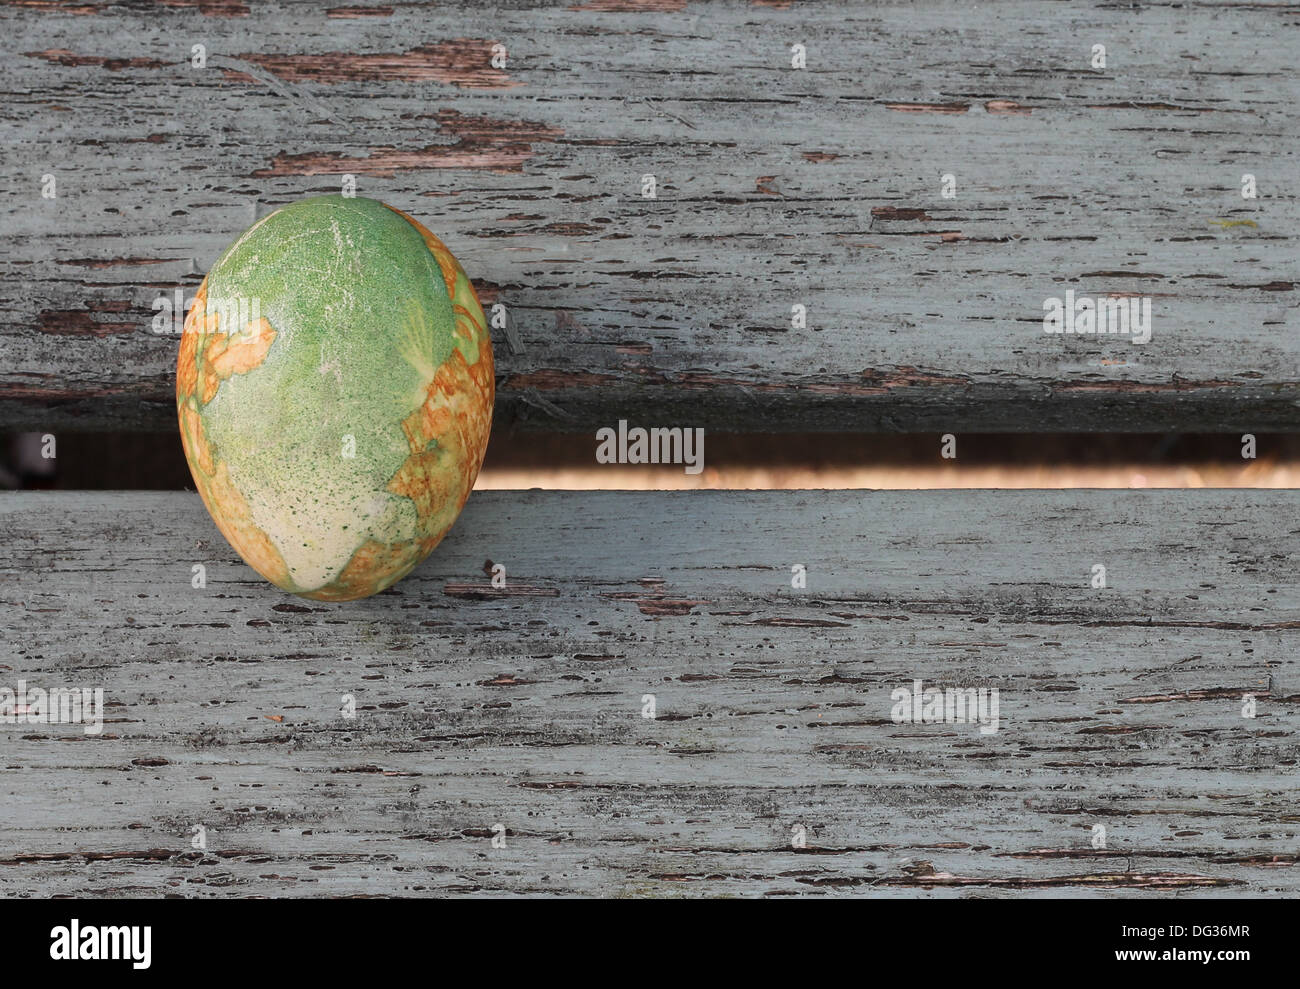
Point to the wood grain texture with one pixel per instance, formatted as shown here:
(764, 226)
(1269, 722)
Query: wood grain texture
(776, 187)
(1119, 707)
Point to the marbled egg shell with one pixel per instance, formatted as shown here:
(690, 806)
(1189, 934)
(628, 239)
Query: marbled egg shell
(334, 388)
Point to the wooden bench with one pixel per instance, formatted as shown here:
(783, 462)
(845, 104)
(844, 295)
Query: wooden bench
(450, 737)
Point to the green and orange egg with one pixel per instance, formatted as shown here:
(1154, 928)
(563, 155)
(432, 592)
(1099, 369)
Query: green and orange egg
(334, 388)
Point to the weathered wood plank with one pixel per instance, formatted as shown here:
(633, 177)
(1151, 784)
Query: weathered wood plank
(776, 187)
(1119, 707)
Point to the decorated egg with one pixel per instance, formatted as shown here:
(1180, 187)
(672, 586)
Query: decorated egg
(334, 389)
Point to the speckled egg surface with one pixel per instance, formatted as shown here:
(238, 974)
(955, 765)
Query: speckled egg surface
(334, 388)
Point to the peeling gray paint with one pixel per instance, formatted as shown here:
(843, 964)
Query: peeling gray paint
(1120, 707)
(776, 187)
